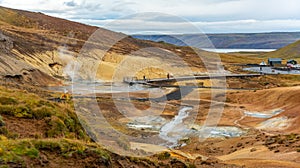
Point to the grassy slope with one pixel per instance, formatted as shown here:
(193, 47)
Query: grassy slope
(57, 123)
(59, 119)
(35, 132)
(291, 51)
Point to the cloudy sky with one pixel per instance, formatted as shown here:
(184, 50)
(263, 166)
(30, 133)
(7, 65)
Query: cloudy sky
(173, 16)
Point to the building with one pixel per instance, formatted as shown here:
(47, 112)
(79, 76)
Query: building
(293, 62)
(274, 61)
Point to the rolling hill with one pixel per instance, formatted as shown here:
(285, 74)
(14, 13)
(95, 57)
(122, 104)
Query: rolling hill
(41, 128)
(291, 51)
(37, 49)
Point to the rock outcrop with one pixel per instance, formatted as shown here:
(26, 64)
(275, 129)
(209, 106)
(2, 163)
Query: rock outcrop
(6, 44)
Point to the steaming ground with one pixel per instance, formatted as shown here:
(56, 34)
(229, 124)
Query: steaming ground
(83, 88)
(272, 119)
(253, 122)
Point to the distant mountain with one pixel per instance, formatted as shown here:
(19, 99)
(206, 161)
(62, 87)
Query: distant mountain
(230, 41)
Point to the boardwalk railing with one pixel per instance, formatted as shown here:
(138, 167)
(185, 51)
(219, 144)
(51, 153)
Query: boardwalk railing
(134, 80)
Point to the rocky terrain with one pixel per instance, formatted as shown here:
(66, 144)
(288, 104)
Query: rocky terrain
(36, 46)
(258, 127)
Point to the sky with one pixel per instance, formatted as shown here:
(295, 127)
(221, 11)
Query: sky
(173, 16)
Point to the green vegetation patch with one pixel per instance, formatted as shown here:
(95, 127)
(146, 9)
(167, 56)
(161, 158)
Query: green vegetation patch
(60, 117)
(13, 151)
(8, 101)
(16, 151)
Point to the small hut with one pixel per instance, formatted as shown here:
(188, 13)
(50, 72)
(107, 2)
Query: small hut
(274, 61)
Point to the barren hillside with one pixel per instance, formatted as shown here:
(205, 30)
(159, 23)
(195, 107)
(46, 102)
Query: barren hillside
(33, 43)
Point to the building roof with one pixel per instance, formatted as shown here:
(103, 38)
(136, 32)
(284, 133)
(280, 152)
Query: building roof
(274, 59)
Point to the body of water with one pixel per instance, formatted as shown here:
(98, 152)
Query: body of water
(265, 114)
(270, 70)
(226, 50)
(176, 129)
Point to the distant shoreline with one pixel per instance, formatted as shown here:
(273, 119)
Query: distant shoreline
(229, 50)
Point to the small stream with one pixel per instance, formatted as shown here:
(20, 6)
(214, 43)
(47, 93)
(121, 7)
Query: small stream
(172, 131)
(175, 130)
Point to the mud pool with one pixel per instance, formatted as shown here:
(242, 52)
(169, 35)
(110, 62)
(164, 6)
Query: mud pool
(264, 114)
(176, 129)
(150, 123)
(99, 87)
(278, 123)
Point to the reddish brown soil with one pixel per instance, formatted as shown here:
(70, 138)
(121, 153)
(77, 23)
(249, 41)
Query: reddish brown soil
(25, 128)
(269, 99)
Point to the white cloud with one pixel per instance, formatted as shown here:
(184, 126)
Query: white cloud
(134, 26)
(208, 15)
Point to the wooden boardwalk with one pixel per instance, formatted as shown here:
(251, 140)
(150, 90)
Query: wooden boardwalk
(187, 78)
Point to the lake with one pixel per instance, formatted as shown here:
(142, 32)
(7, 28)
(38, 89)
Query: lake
(229, 50)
